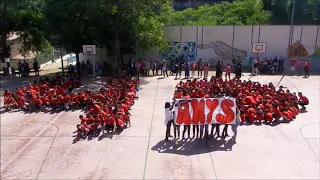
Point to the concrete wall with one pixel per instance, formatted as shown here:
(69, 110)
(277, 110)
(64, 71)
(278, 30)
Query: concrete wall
(223, 42)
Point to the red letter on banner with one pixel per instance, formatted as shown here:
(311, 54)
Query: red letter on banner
(198, 111)
(212, 105)
(226, 107)
(183, 116)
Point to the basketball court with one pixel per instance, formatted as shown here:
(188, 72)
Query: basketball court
(41, 146)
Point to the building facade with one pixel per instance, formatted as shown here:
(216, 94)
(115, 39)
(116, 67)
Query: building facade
(180, 5)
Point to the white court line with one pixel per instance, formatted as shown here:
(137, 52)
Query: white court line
(16, 155)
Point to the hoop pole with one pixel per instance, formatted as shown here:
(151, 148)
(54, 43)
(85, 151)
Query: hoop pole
(94, 68)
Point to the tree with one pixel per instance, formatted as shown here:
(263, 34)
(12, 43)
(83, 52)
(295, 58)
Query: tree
(24, 18)
(133, 25)
(236, 13)
(120, 26)
(306, 11)
(70, 24)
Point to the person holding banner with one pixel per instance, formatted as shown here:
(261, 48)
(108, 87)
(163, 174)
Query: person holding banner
(168, 119)
(234, 127)
(195, 131)
(215, 127)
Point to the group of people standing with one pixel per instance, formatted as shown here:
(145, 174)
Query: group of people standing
(276, 66)
(143, 67)
(201, 67)
(24, 69)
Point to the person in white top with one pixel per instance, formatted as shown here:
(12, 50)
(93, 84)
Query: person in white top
(148, 68)
(168, 119)
(235, 126)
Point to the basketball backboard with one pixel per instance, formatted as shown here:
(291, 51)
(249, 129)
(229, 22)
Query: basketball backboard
(259, 47)
(89, 49)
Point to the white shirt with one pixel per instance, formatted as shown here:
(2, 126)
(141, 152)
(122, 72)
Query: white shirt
(168, 115)
(147, 65)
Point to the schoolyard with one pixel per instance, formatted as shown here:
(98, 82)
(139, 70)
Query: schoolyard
(41, 145)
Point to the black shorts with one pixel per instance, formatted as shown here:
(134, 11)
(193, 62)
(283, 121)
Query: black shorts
(109, 127)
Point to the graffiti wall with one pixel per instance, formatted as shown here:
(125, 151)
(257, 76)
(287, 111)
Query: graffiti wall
(185, 51)
(212, 43)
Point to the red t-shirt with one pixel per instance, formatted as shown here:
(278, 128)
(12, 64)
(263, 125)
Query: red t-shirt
(8, 101)
(304, 99)
(66, 99)
(19, 93)
(300, 64)
(120, 122)
(293, 62)
(268, 117)
(101, 97)
(250, 100)
(228, 69)
(109, 120)
(38, 101)
(84, 120)
(286, 114)
(126, 117)
(21, 101)
(308, 64)
(8, 94)
(124, 107)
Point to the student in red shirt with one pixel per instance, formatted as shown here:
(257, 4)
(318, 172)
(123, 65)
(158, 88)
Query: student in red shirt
(300, 67)
(268, 117)
(126, 119)
(303, 101)
(251, 113)
(110, 123)
(259, 114)
(307, 69)
(293, 65)
(119, 123)
(83, 131)
(228, 71)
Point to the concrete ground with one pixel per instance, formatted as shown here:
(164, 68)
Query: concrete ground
(41, 146)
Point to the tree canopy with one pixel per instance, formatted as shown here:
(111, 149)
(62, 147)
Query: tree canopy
(306, 11)
(244, 12)
(25, 18)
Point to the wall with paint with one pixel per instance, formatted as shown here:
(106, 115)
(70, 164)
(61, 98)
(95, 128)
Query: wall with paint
(223, 42)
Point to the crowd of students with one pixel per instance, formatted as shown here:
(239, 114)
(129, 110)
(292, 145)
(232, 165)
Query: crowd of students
(275, 66)
(107, 109)
(255, 102)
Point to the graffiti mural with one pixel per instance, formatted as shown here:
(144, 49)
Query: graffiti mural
(297, 50)
(222, 51)
(180, 51)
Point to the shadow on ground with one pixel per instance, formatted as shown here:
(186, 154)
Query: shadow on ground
(189, 147)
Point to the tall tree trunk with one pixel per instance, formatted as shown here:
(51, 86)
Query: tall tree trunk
(118, 53)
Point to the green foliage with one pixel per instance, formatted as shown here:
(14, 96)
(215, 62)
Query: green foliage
(244, 12)
(120, 26)
(25, 18)
(306, 11)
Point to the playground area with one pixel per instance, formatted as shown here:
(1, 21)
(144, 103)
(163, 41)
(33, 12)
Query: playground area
(41, 145)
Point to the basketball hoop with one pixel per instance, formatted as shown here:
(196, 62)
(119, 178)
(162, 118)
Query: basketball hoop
(89, 49)
(259, 47)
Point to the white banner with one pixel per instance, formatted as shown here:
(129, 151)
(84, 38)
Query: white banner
(205, 111)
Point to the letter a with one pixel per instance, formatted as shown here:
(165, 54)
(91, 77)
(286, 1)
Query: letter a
(198, 111)
(183, 116)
